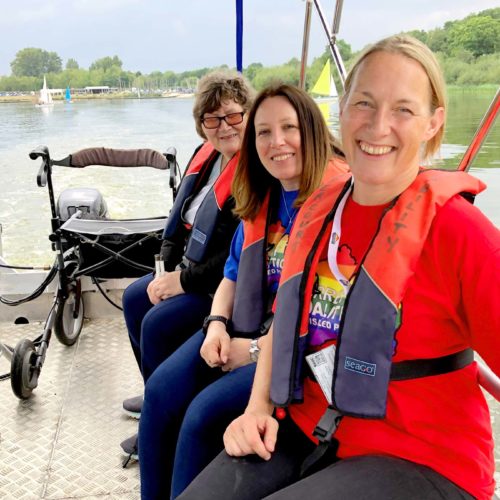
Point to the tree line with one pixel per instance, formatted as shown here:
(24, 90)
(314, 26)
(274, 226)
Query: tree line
(468, 49)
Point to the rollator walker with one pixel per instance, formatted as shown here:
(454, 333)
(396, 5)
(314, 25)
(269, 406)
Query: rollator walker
(86, 243)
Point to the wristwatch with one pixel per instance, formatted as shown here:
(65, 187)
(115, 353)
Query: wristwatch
(211, 318)
(254, 350)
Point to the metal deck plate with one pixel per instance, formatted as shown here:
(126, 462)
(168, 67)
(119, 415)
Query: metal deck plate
(64, 442)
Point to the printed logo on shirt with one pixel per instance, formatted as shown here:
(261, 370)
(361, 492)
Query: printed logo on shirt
(276, 245)
(328, 299)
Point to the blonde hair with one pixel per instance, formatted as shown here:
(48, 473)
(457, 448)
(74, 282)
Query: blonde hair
(252, 181)
(413, 49)
(215, 88)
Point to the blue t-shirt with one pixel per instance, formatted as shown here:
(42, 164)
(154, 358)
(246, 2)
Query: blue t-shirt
(277, 239)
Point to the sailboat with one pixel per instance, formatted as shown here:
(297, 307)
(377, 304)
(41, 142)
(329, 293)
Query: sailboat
(67, 95)
(45, 98)
(325, 85)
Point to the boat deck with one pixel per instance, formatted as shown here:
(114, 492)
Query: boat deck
(64, 442)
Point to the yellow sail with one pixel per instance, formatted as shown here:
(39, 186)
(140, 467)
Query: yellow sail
(322, 86)
(324, 107)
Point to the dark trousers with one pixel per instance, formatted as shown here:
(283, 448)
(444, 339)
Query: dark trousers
(187, 406)
(365, 477)
(156, 331)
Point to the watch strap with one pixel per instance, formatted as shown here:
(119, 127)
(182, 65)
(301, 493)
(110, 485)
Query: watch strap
(213, 317)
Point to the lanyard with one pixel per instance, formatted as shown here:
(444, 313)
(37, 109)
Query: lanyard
(333, 244)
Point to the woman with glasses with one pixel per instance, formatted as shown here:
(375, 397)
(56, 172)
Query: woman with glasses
(189, 399)
(162, 311)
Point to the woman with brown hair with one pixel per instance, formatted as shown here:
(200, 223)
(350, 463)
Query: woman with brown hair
(190, 399)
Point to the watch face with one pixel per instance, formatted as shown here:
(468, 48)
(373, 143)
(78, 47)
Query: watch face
(254, 351)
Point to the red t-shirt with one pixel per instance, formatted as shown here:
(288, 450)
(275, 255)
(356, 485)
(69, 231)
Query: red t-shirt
(452, 303)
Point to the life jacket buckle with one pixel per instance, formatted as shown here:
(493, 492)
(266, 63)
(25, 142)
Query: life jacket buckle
(327, 425)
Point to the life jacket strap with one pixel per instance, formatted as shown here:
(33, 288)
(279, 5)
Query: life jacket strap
(404, 370)
(418, 368)
(324, 431)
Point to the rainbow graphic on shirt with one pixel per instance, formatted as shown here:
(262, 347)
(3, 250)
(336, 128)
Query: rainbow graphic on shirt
(328, 299)
(276, 244)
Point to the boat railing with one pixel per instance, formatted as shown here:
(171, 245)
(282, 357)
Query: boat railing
(331, 34)
(481, 133)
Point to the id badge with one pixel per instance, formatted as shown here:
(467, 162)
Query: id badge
(321, 364)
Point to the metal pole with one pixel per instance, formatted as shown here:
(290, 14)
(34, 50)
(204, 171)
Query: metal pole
(481, 133)
(305, 45)
(336, 18)
(337, 58)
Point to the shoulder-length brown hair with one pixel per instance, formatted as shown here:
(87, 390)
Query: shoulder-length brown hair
(252, 181)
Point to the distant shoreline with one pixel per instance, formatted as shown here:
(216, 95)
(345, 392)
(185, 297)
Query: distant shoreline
(83, 97)
(132, 95)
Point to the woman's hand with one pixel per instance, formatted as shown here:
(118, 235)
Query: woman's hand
(239, 354)
(215, 349)
(165, 286)
(254, 432)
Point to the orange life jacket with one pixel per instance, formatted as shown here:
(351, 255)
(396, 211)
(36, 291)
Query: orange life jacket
(363, 356)
(251, 299)
(209, 210)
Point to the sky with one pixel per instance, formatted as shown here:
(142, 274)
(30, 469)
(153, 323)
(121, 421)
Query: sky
(150, 35)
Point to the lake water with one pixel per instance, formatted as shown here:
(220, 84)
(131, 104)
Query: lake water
(158, 124)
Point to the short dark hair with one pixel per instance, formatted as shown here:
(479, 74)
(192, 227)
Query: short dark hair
(215, 88)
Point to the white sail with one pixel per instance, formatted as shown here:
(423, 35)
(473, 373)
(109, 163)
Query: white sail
(45, 95)
(333, 88)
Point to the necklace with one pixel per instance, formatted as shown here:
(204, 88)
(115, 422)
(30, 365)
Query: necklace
(291, 217)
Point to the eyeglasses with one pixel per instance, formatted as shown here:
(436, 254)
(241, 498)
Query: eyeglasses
(215, 121)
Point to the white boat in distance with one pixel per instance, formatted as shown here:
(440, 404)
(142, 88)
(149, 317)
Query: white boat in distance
(45, 98)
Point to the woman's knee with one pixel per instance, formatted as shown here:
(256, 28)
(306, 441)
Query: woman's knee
(158, 387)
(135, 299)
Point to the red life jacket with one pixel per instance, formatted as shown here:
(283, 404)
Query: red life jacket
(209, 210)
(251, 299)
(369, 318)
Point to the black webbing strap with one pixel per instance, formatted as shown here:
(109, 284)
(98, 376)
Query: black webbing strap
(404, 370)
(418, 368)
(323, 433)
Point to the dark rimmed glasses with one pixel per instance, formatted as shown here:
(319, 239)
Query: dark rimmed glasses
(230, 119)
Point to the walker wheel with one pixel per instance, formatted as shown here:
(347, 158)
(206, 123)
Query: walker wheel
(69, 315)
(23, 375)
